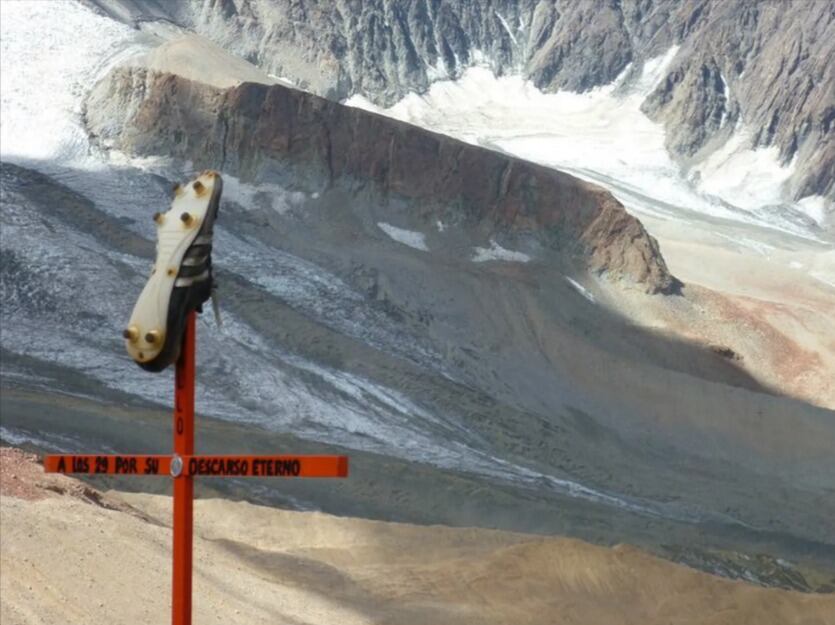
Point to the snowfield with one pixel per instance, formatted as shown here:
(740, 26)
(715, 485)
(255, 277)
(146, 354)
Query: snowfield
(51, 53)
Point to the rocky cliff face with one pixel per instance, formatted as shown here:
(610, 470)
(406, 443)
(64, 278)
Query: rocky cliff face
(761, 64)
(262, 133)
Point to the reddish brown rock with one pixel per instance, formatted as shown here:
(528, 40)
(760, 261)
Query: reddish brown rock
(253, 130)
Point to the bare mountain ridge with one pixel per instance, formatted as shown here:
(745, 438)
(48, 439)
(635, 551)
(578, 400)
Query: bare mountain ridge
(255, 130)
(762, 65)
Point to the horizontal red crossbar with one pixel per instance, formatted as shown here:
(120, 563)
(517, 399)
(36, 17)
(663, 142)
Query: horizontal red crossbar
(216, 466)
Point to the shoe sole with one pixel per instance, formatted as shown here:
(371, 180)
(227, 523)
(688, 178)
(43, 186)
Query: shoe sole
(154, 332)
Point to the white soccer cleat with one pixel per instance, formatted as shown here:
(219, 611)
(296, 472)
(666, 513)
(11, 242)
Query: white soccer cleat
(181, 280)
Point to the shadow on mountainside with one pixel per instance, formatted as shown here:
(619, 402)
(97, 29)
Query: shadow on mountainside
(508, 357)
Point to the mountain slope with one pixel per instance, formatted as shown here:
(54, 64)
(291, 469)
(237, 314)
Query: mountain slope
(438, 329)
(762, 67)
(252, 130)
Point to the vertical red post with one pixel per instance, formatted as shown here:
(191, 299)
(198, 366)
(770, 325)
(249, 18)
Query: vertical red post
(184, 484)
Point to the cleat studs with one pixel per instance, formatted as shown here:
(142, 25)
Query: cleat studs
(141, 356)
(159, 218)
(186, 218)
(152, 337)
(131, 333)
(171, 272)
(178, 190)
(199, 188)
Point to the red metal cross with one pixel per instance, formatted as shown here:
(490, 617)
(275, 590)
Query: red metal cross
(183, 466)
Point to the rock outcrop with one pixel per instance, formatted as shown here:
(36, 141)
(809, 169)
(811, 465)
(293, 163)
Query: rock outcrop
(766, 64)
(260, 132)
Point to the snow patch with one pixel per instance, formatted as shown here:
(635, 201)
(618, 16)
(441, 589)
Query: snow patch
(816, 207)
(744, 177)
(653, 72)
(284, 80)
(478, 58)
(726, 92)
(269, 196)
(581, 289)
(507, 28)
(438, 71)
(250, 197)
(416, 240)
(497, 252)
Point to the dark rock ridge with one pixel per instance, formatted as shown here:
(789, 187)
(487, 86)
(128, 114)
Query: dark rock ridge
(259, 133)
(774, 57)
